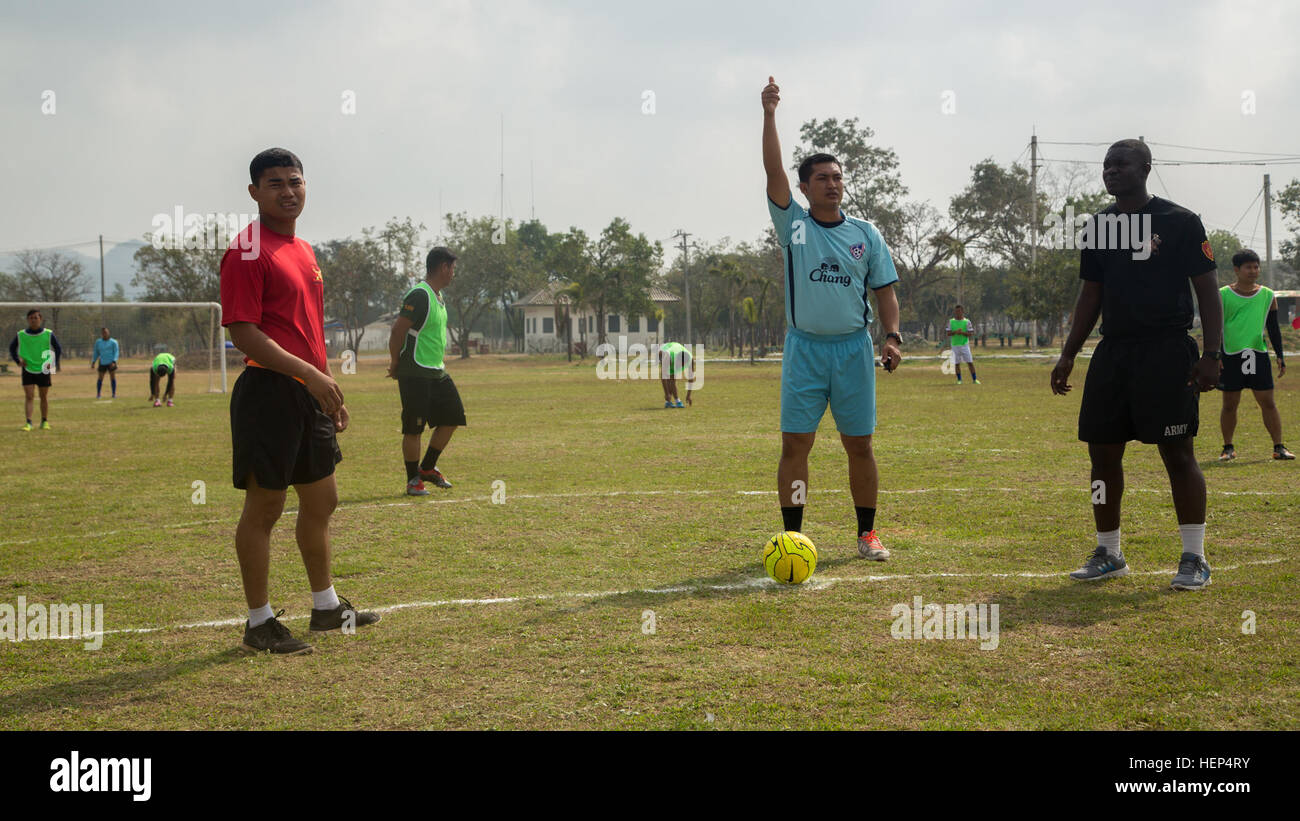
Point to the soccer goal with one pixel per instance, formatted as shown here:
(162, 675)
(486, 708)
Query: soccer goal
(191, 331)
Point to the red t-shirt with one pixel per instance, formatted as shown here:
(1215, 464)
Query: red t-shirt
(280, 290)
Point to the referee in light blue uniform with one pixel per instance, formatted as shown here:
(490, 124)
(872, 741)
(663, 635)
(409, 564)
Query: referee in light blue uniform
(106, 351)
(831, 261)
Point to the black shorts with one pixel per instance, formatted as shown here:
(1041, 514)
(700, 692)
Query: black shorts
(1247, 369)
(432, 402)
(111, 366)
(279, 433)
(1137, 389)
(40, 380)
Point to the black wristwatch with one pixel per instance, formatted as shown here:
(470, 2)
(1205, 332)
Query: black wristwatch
(895, 336)
(1215, 355)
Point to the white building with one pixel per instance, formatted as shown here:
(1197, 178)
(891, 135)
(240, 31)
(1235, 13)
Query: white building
(542, 336)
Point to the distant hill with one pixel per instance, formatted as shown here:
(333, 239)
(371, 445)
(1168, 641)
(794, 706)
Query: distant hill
(119, 266)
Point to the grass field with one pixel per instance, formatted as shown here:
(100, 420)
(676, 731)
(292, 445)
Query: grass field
(532, 613)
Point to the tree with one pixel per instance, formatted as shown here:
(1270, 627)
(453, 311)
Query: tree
(1288, 202)
(490, 260)
(619, 278)
(872, 184)
(1223, 244)
(360, 284)
(48, 276)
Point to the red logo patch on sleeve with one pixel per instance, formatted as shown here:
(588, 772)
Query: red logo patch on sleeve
(1207, 250)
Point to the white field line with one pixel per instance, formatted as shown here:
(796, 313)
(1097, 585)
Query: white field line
(611, 493)
(762, 582)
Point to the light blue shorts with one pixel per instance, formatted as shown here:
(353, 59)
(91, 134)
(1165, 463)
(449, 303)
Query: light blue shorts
(818, 369)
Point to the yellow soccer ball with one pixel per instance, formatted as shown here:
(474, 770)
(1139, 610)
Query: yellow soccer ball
(790, 557)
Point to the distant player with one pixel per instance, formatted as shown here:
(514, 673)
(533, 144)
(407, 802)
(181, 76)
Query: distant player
(164, 364)
(106, 351)
(674, 360)
(1146, 374)
(429, 396)
(36, 350)
(285, 407)
(1248, 310)
(831, 261)
(960, 330)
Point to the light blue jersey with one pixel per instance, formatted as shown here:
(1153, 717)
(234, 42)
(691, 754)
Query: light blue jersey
(828, 269)
(105, 351)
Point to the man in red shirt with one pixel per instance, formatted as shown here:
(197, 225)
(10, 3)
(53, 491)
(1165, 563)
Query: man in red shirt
(285, 407)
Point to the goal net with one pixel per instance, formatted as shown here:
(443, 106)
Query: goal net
(191, 331)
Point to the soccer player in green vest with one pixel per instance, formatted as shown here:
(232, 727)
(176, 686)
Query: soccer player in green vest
(38, 353)
(164, 364)
(960, 329)
(674, 359)
(429, 396)
(1248, 310)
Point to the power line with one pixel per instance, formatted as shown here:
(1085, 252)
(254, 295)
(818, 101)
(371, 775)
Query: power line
(1258, 194)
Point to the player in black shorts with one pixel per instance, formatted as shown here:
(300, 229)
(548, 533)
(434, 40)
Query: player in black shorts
(1146, 375)
(429, 397)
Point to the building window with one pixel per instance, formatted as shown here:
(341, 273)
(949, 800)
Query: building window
(613, 324)
(634, 325)
(652, 324)
(548, 325)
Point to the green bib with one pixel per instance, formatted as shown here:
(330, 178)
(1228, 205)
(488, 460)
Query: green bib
(164, 359)
(431, 339)
(1243, 319)
(959, 325)
(33, 348)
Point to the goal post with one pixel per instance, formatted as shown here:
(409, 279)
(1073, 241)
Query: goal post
(191, 331)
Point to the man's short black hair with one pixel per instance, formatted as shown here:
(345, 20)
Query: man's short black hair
(438, 256)
(806, 167)
(35, 311)
(1243, 256)
(955, 307)
(161, 369)
(272, 158)
(1140, 148)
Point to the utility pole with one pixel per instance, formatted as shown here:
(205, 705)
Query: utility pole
(1033, 219)
(1268, 231)
(686, 283)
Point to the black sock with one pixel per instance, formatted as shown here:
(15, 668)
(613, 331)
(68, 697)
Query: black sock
(412, 470)
(866, 519)
(972, 372)
(1227, 445)
(430, 459)
(793, 518)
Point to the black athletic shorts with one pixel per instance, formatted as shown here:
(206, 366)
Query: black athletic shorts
(1137, 389)
(40, 380)
(431, 402)
(1247, 369)
(111, 366)
(279, 433)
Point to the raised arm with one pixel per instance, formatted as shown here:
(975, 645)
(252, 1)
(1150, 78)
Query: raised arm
(778, 183)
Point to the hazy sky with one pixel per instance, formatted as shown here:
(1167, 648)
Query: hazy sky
(160, 105)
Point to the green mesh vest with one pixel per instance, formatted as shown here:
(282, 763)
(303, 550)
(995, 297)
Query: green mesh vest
(33, 348)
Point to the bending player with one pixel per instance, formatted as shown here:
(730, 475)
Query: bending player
(1248, 310)
(674, 359)
(1145, 378)
(831, 262)
(106, 352)
(164, 364)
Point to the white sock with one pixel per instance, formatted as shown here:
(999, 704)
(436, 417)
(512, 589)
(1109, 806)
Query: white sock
(325, 599)
(1110, 541)
(259, 615)
(1193, 538)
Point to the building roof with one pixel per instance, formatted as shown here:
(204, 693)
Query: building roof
(544, 297)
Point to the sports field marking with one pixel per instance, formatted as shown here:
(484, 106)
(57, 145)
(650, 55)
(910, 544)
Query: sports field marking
(758, 582)
(609, 493)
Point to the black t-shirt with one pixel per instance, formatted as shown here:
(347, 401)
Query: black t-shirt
(1150, 295)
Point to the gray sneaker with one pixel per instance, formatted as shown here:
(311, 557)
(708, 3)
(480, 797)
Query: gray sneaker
(1193, 573)
(1101, 565)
